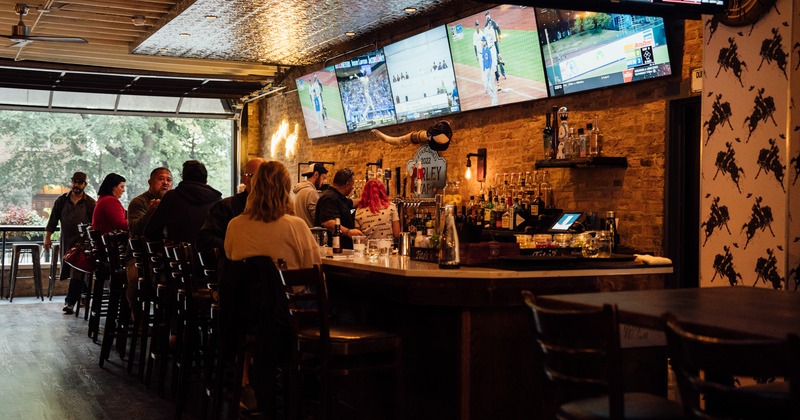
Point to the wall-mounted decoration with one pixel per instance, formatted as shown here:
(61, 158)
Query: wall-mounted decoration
(428, 172)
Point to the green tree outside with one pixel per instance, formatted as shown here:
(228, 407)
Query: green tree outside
(40, 148)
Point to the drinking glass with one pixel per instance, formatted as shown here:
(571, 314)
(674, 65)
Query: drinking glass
(385, 247)
(373, 249)
(359, 246)
(604, 243)
(321, 237)
(589, 245)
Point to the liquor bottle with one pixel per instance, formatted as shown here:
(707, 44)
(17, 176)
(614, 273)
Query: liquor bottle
(499, 209)
(582, 152)
(449, 252)
(428, 224)
(546, 192)
(563, 131)
(505, 219)
(611, 227)
(595, 139)
(547, 137)
(488, 211)
(336, 242)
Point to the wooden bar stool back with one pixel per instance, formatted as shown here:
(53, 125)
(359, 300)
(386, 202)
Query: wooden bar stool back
(580, 351)
(706, 366)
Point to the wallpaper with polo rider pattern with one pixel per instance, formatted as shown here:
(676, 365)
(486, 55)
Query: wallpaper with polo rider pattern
(750, 163)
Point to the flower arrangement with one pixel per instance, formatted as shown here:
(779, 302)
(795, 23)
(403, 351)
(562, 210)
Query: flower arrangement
(20, 216)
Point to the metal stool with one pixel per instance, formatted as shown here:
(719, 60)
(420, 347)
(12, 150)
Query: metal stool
(54, 260)
(35, 251)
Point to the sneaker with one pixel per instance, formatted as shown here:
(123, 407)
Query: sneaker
(68, 309)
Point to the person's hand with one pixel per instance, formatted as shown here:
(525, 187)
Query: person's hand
(354, 232)
(47, 243)
(153, 204)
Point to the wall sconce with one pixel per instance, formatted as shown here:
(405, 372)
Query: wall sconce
(480, 165)
(310, 165)
(378, 164)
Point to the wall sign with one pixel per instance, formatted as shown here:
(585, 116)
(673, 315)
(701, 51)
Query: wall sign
(431, 171)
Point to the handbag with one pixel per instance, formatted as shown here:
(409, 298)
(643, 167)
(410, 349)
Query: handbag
(78, 258)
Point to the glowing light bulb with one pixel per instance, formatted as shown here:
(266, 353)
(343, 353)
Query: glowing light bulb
(468, 174)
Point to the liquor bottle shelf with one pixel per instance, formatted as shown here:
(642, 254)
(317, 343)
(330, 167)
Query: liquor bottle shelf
(584, 162)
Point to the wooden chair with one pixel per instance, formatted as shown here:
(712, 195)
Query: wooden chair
(117, 320)
(705, 368)
(580, 350)
(326, 350)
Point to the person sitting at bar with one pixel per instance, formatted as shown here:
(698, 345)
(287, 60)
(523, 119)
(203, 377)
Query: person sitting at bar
(334, 203)
(212, 234)
(182, 211)
(268, 226)
(377, 216)
(109, 215)
(307, 195)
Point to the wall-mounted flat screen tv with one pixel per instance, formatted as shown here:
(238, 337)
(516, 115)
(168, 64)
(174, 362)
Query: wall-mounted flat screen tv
(497, 57)
(588, 50)
(321, 103)
(421, 75)
(366, 92)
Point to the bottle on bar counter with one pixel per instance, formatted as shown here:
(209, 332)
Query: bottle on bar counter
(449, 253)
(546, 193)
(582, 152)
(595, 139)
(547, 137)
(336, 242)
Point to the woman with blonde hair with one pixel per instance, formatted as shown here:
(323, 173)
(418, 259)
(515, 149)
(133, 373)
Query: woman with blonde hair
(268, 226)
(377, 216)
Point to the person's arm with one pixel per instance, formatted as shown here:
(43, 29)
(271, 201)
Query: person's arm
(52, 222)
(395, 218)
(139, 212)
(154, 229)
(396, 228)
(212, 234)
(330, 224)
(117, 215)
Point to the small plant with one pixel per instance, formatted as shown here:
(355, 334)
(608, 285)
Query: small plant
(20, 216)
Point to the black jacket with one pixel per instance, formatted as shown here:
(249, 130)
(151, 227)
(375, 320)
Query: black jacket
(212, 234)
(181, 212)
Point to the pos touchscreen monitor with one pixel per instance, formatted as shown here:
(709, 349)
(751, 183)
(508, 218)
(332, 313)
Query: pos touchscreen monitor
(589, 50)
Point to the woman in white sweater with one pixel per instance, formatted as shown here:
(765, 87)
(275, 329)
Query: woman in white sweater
(268, 226)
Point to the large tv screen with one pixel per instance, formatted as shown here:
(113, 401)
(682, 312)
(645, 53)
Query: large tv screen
(421, 75)
(588, 50)
(321, 103)
(366, 92)
(497, 58)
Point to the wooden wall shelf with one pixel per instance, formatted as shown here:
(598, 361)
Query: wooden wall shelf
(584, 162)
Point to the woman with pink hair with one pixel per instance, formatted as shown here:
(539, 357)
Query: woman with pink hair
(376, 216)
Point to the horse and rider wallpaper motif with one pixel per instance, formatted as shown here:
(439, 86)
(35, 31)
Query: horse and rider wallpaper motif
(750, 160)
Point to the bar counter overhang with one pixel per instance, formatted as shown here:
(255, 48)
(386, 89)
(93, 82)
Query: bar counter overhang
(468, 351)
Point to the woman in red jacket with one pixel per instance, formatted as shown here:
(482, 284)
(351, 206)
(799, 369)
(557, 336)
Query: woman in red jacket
(109, 215)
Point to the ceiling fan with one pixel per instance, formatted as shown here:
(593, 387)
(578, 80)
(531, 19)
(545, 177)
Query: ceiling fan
(20, 33)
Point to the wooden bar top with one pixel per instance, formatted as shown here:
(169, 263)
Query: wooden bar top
(406, 267)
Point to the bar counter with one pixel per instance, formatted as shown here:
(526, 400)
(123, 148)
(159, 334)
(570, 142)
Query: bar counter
(467, 342)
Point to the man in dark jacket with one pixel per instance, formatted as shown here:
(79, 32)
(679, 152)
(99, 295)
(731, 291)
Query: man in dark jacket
(212, 234)
(182, 211)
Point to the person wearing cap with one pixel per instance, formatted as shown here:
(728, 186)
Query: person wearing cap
(212, 234)
(70, 209)
(333, 204)
(306, 193)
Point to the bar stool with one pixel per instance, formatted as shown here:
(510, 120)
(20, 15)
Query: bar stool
(54, 260)
(34, 250)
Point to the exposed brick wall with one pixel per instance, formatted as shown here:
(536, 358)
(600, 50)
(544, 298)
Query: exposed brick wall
(633, 119)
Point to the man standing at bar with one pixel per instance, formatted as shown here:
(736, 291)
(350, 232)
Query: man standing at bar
(70, 210)
(212, 234)
(306, 193)
(334, 203)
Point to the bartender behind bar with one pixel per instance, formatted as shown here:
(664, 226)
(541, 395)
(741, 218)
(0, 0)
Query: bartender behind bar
(334, 203)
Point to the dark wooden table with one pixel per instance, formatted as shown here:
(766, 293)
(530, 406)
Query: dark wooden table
(738, 311)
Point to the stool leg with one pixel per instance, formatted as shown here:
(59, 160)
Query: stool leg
(54, 260)
(13, 280)
(37, 273)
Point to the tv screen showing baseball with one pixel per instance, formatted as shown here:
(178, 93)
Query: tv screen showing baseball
(366, 92)
(321, 103)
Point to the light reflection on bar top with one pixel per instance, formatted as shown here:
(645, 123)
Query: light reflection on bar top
(406, 267)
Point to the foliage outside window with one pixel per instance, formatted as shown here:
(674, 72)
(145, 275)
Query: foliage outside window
(20, 216)
(39, 149)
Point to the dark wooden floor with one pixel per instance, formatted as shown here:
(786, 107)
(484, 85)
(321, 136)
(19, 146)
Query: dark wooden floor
(49, 370)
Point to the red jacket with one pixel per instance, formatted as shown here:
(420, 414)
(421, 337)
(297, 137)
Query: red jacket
(109, 215)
